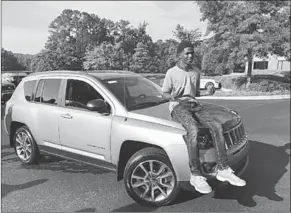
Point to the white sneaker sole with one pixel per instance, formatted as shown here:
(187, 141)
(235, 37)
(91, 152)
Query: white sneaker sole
(200, 190)
(232, 183)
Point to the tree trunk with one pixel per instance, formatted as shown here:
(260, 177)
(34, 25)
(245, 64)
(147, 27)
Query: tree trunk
(250, 69)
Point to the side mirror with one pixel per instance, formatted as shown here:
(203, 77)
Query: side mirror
(98, 105)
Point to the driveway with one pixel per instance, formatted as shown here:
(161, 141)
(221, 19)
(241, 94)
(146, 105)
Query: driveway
(64, 186)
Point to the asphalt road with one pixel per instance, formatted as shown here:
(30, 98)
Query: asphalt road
(57, 185)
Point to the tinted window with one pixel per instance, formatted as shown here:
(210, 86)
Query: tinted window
(39, 91)
(79, 93)
(29, 90)
(50, 92)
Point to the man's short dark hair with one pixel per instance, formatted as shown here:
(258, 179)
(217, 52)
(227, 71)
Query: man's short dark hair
(183, 45)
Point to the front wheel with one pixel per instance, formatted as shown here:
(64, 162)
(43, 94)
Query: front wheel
(150, 178)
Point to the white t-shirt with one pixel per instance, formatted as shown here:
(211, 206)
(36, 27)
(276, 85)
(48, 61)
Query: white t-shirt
(179, 82)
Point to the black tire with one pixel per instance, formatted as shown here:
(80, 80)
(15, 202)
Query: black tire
(142, 156)
(210, 88)
(34, 154)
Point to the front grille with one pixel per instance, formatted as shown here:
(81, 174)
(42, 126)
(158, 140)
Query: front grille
(234, 136)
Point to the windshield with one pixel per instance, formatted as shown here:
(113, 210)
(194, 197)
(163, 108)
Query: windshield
(135, 92)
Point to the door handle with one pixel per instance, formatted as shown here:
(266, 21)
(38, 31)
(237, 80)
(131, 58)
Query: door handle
(67, 116)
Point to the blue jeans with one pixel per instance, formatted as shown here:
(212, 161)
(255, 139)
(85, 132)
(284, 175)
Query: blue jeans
(189, 114)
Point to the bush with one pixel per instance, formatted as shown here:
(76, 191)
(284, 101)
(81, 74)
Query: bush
(260, 83)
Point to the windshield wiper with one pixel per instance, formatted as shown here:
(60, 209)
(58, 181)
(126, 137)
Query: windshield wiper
(147, 104)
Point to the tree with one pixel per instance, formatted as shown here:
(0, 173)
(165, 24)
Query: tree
(9, 62)
(244, 29)
(24, 60)
(140, 59)
(46, 60)
(103, 57)
(166, 52)
(153, 65)
(183, 34)
(72, 33)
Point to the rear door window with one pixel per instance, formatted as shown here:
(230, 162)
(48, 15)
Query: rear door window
(29, 90)
(51, 89)
(39, 91)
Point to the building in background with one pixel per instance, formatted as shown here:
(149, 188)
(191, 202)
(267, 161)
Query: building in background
(272, 63)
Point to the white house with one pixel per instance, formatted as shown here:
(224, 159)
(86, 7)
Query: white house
(272, 62)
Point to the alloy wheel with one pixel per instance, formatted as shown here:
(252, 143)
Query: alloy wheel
(152, 180)
(23, 145)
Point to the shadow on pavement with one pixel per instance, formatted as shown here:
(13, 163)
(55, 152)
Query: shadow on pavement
(50, 163)
(135, 207)
(5, 147)
(185, 196)
(266, 167)
(53, 163)
(8, 155)
(87, 210)
(6, 188)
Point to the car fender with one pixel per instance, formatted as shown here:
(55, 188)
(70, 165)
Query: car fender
(170, 139)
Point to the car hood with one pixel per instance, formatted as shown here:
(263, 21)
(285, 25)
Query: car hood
(161, 114)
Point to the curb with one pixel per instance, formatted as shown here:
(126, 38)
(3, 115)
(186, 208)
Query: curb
(270, 97)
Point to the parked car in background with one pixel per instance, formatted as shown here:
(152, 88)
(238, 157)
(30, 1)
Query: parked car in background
(205, 84)
(119, 121)
(208, 83)
(17, 77)
(7, 90)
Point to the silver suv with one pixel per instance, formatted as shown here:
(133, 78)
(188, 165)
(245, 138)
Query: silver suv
(119, 121)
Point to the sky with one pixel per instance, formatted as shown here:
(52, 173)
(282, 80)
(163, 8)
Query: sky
(25, 23)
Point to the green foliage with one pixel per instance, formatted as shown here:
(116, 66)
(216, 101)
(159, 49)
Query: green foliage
(46, 61)
(166, 52)
(24, 60)
(245, 29)
(183, 34)
(260, 83)
(140, 59)
(71, 34)
(153, 66)
(104, 57)
(9, 62)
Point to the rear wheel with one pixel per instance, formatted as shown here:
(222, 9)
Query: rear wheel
(210, 88)
(25, 146)
(150, 178)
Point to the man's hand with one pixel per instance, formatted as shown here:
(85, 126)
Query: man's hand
(168, 96)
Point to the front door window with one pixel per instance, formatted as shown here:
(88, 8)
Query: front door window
(79, 93)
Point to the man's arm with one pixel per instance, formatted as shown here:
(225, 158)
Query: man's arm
(167, 87)
(198, 85)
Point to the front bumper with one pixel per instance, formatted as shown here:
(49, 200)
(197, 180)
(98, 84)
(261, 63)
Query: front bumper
(239, 168)
(237, 159)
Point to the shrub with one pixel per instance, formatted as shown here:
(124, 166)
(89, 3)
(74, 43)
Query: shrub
(260, 83)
